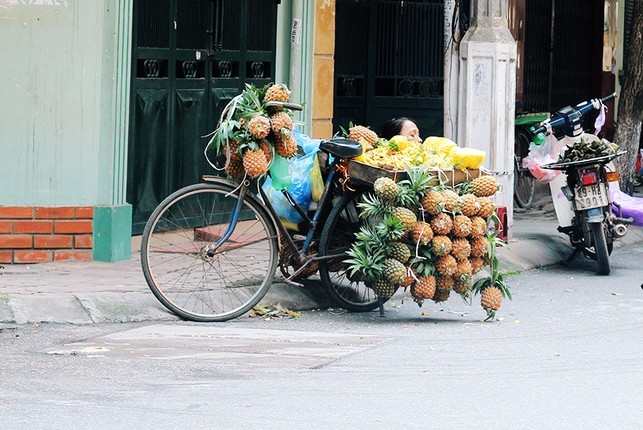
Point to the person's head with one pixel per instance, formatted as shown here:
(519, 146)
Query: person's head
(401, 126)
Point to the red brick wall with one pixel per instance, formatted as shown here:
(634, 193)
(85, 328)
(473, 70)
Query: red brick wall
(36, 234)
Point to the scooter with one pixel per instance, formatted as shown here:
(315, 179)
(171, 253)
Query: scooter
(581, 192)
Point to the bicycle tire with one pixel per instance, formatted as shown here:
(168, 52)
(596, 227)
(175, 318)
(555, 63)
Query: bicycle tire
(524, 182)
(338, 234)
(187, 275)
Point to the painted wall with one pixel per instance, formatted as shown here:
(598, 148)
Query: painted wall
(51, 120)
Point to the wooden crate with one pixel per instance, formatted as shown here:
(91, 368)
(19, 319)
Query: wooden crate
(366, 174)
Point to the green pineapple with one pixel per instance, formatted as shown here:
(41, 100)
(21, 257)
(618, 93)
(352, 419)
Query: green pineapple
(386, 189)
(399, 251)
(394, 271)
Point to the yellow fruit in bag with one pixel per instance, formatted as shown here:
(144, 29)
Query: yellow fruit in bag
(316, 181)
(467, 158)
(438, 144)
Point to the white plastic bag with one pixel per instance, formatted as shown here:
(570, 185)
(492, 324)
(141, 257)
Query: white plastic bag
(543, 154)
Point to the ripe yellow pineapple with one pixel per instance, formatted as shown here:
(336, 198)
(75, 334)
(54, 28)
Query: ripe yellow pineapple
(255, 163)
(477, 264)
(450, 199)
(286, 145)
(277, 92)
(234, 167)
(424, 288)
(484, 186)
(281, 123)
(259, 126)
(442, 223)
(422, 233)
(461, 226)
(446, 265)
(409, 280)
(267, 150)
(491, 299)
(359, 133)
(478, 226)
(432, 202)
(479, 246)
(468, 204)
(460, 248)
(487, 207)
(442, 245)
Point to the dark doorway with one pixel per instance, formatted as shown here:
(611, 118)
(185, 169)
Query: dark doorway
(189, 58)
(389, 62)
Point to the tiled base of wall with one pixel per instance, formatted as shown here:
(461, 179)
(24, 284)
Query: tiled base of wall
(36, 234)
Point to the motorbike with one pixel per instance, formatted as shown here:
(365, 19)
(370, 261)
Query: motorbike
(581, 192)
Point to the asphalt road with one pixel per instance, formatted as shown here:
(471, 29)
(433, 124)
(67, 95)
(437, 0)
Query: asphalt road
(564, 354)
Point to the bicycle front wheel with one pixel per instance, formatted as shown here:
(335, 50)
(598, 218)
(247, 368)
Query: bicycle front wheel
(190, 265)
(336, 239)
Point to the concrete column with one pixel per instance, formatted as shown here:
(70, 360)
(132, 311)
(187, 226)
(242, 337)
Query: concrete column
(486, 96)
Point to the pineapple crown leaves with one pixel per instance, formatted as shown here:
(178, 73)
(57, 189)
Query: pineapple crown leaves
(496, 277)
(367, 262)
(369, 238)
(373, 207)
(391, 228)
(422, 266)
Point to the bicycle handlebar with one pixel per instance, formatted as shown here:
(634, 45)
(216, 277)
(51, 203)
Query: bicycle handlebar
(560, 118)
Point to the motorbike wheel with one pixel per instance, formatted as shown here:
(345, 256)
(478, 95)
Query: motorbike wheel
(600, 248)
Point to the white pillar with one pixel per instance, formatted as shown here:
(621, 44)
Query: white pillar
(487, 82)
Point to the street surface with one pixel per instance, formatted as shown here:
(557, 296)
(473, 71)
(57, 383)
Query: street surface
(566, 353)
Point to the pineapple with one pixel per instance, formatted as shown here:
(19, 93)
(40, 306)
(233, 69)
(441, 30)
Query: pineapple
(278, 93)
(259, 126)
(255, 163)
(479, 246)
(267, 150)
(446, 265)
(484, 186)
(444, 283)
(463, 271)
(487, 207)
(286, 145)
(478, 226)
(442, 224)
(422, 233)
(359, 133)
(477, 263)
(383, 288)
(386, 188)
(461, 226)
(491, 299)
(393, 271)
(432, 202)
(281, 123)
(468, 205)
(424, 288)
(231, 150)
(442, 245)
(450, 199)
(462, 286)
(409, 280)
(460, 248)
(234, 168)
(405, 215)
(399, 251)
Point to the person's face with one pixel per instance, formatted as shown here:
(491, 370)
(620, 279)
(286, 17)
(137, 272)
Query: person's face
(410, 131)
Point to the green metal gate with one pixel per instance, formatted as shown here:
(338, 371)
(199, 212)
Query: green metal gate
(189, 58)
(389, 62)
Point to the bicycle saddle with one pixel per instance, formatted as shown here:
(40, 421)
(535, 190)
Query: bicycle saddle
(342, 148)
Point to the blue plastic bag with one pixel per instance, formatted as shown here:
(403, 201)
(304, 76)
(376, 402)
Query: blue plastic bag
(300, 178)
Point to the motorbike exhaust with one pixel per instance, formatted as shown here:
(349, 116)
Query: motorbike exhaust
(620, 230)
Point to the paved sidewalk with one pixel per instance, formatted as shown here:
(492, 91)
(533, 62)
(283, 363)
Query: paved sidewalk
(97, 292)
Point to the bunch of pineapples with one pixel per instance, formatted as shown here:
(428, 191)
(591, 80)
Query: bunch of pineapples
(399, 152)
(431, 239)
(251, 131)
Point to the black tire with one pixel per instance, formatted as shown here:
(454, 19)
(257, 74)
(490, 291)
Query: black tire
(184, 271)
(524, 182)
(600, 248)
(337, 237)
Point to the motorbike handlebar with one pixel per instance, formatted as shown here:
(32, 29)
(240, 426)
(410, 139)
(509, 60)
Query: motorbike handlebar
(558, 120)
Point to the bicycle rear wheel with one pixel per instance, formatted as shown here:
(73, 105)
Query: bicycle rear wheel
(337, 237)
(524, 182)
(190, 272)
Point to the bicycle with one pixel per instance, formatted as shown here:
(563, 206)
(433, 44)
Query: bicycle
(210, 251)
(524, 182)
